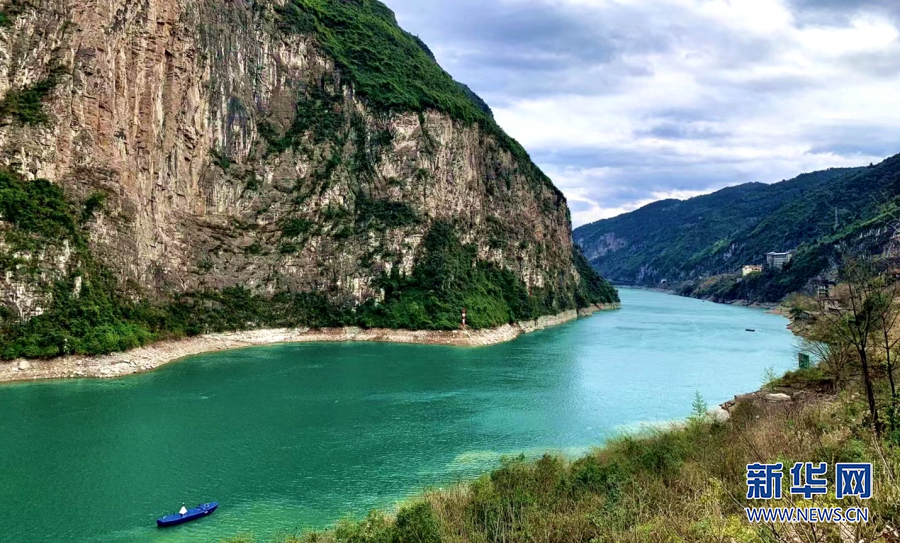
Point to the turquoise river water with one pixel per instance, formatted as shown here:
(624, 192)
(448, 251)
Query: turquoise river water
(292, 437)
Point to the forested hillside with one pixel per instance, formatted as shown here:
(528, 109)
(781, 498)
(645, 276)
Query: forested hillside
(687, 242)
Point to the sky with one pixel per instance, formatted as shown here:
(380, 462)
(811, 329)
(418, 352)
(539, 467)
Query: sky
(624, 102)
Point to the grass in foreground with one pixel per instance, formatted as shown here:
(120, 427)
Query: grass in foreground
(683, 484)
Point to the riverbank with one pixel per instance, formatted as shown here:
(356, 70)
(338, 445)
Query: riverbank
(776, 309)
(152, 356)
(686, 482)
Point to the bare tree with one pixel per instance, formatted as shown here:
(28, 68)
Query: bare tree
(862, 304)
(887, 340)
(834, 353)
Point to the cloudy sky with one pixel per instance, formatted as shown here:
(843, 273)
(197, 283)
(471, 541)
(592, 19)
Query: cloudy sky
(623, 102)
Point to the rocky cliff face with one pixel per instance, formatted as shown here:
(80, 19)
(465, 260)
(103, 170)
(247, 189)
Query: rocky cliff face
(208, 144)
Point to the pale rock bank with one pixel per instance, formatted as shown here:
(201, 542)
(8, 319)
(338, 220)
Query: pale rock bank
(153, 356)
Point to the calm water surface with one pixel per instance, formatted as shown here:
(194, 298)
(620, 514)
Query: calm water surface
(297, 436)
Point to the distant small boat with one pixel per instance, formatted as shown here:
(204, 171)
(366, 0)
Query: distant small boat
(751, 330)
(191, 514)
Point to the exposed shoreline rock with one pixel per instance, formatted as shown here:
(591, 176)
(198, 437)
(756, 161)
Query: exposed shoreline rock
(781, 399)
(594, 308)
(152, 356)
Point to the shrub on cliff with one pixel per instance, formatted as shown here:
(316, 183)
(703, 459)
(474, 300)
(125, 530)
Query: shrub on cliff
(26, 105)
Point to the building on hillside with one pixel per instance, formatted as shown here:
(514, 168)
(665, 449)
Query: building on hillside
(779, 260)
(750, 269)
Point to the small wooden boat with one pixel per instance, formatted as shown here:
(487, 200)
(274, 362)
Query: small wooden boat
(751, 330)
(188, 515)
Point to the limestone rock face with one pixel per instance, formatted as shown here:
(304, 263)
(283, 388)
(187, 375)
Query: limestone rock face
(177, 111)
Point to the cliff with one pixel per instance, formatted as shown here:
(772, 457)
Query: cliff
(179, 167)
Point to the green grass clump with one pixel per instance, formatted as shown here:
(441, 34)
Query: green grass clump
(37, 210)
(12, 9)
(296, 227)
(380, 214)
(809, 379)
(318, 112)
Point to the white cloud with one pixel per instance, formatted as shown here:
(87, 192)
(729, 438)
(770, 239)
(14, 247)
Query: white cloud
(624, 102)
(867, 33)
(596, 212)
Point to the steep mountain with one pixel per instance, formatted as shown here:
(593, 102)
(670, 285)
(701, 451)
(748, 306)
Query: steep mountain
(686, 242)
(176, 167)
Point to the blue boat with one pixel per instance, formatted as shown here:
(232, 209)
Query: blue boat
(187, 515)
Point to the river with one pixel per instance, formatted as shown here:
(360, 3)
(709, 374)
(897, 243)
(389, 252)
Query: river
(292, 437)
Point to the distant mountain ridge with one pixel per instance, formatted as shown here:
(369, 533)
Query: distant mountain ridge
(687, 242)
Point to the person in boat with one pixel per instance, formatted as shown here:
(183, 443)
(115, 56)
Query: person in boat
(183, 510)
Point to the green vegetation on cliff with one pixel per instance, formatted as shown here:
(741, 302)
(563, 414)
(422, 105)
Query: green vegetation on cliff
(87, 313)
(719, 233)
(592, 288)
(386, 64)
(26, 105)
(394, 70)
(449, 276)
(11, 9)
(446, 277)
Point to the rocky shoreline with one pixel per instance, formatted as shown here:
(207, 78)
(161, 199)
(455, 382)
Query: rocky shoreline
(152, 356)
(771, 400)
